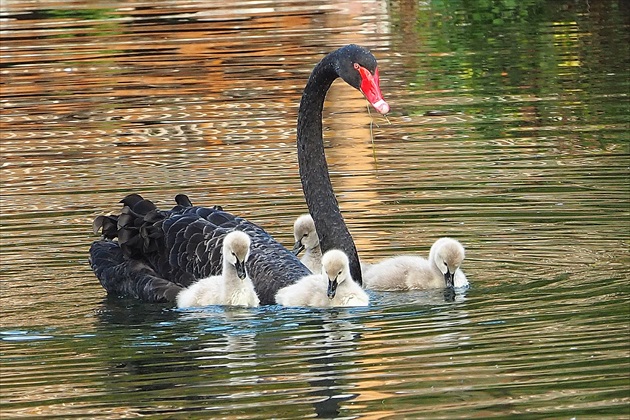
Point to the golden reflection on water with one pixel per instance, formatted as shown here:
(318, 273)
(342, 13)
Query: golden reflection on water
(97, 106)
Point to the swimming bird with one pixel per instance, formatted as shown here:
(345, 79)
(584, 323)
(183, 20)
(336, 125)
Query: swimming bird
(232, 287)
(306, 239)
(150, 254)
(333, 287)
(407, 272)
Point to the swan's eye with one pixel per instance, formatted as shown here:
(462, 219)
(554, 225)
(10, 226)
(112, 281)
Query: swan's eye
(339, 273)
(356, 66)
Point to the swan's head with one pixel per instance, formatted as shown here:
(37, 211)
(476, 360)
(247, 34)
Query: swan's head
(447, 254)
(236, 251)
(335, 268)
(305, 234)
(357, 67)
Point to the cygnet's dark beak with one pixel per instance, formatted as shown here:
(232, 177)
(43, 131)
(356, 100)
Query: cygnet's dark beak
(240, 269)
(332, 288)
(297, 248)
(449, 279)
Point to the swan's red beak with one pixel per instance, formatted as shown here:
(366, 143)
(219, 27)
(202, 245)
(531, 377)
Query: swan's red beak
(370, 87)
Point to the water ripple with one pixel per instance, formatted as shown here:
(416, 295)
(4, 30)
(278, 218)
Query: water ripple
(508, 135)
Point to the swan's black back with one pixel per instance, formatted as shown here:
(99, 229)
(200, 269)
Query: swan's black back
(151, 254)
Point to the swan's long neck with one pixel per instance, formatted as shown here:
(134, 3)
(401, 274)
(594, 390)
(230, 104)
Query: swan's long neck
(230, 277)
(320, 197)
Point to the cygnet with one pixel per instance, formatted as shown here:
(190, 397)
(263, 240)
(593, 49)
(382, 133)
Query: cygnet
(232, 287)
(407, 272)
(333, 287)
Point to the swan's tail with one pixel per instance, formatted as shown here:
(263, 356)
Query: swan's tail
(144, 251)
(138, 227)
(122, 276)
(132, 241)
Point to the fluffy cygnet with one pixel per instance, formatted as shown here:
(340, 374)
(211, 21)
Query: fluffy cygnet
(306, 239)
(233, 287)
(408, 272)
(333, 287)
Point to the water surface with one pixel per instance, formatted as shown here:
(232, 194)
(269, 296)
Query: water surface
(508, 131)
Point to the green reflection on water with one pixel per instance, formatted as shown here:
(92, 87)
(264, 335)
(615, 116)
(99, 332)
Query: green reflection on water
(573, 55)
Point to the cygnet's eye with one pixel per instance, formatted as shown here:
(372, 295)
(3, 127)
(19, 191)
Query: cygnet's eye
(339, 273)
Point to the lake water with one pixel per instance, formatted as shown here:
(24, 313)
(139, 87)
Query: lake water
(508, 131)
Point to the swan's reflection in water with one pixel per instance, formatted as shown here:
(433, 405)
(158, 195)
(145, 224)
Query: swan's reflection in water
(233, 343)
(329, 350)
(320, 362)
(407, 346)
(309, 355)
(328, 358)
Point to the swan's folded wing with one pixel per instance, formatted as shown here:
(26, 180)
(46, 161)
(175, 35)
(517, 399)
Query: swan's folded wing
(270, 265)
(184, 244)
(121, 276)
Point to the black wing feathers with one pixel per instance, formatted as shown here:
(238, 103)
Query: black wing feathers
(158, 252)
(123, 277)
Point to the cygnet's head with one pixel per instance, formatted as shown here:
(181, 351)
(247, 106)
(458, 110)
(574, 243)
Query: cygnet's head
(236, 251)
(305, 234)
(336, 268)
(447, 254)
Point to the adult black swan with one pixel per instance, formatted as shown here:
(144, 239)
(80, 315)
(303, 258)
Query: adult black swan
(152, 254)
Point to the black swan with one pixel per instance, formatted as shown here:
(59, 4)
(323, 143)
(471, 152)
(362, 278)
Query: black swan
(157, 253)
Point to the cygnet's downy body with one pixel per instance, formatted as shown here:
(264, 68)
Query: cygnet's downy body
(408, 272)
(232, 287)
(333, 287)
